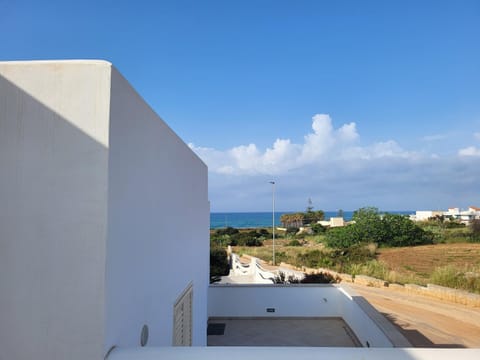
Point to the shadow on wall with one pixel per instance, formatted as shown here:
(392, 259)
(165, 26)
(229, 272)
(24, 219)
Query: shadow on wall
(53, 211)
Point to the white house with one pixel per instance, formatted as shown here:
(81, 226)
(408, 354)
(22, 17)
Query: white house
(466, 216)
(333, 222)
(95, 193)
(423, 215)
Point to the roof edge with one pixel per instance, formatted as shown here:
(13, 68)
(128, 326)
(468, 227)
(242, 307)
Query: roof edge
(63, 61)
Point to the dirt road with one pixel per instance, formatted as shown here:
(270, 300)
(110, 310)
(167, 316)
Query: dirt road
(426, 322)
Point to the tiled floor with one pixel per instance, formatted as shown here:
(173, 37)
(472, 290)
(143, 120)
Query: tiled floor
(283, 332)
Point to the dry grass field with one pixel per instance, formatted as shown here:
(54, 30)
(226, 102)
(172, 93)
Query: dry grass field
(423, 260)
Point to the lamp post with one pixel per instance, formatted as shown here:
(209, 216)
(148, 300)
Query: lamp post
(273, 219)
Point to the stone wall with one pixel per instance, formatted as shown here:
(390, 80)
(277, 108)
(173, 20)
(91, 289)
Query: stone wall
(431, 290)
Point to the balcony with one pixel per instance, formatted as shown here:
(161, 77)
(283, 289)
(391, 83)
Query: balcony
(296, 315)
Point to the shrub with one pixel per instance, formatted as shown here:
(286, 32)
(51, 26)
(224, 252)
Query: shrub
(294, 242)
(291, 230)
(318, 228)
(227, 231)
(321, 278)
(475, 230)
(386, 230)
(250, 238)
(338, 259)
(452, 277)
(281, 256)
(314, 259)
(341, 237)
(219, 265)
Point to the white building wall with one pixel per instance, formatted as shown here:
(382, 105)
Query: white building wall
(53, 181)
(158, 217)
(368, 333)
(288, 301)
(94, 241)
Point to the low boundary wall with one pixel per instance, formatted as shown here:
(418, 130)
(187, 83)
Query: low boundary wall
(431, 290)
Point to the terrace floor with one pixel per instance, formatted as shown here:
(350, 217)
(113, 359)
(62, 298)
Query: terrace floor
(330, 332)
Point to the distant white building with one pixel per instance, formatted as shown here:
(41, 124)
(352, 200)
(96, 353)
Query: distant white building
(466, 216)
(333, 222)
(422, 215)
(454, 213)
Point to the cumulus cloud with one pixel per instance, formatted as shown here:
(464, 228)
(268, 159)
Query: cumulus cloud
(324, 145)
(469, 151)
(333, 167)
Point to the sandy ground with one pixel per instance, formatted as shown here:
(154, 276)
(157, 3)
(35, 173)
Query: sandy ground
(426, 322)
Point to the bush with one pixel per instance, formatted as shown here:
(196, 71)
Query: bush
(321, 278)
(251, 238)
(291, 230)
(341, 237)
(475, 231)
(387, 230)
(314, 259)
(294, 242)
(219, 265)
(318, 229)
(227, 231)
(338, 259)
(401, 231)
(451, 277)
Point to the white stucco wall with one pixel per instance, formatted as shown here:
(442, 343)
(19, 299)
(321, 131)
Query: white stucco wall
(53, 181)
(104, 215)
(288, 301)
(158, 218)
(368, 333)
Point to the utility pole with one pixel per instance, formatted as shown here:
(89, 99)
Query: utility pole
(273, 219)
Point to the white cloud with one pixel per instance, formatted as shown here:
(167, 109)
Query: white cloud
(324, 145)
(348, 132)
(334, 168)
(469, 151)
(476, 135)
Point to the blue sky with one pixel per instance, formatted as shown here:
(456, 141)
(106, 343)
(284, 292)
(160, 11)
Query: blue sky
(349, 103)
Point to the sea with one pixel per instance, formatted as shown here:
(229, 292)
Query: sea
(264, 219)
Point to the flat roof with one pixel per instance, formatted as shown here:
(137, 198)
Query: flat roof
(312, 332)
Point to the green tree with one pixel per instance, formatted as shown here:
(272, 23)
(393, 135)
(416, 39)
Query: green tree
(401, 231)
(386, 230)
(368, 225)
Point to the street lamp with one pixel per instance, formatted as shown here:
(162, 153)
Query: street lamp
(273, 219)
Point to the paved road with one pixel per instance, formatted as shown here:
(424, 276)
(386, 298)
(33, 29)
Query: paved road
(426, 322)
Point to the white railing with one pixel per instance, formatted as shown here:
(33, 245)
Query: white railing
(258, 274)
(254, 270)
